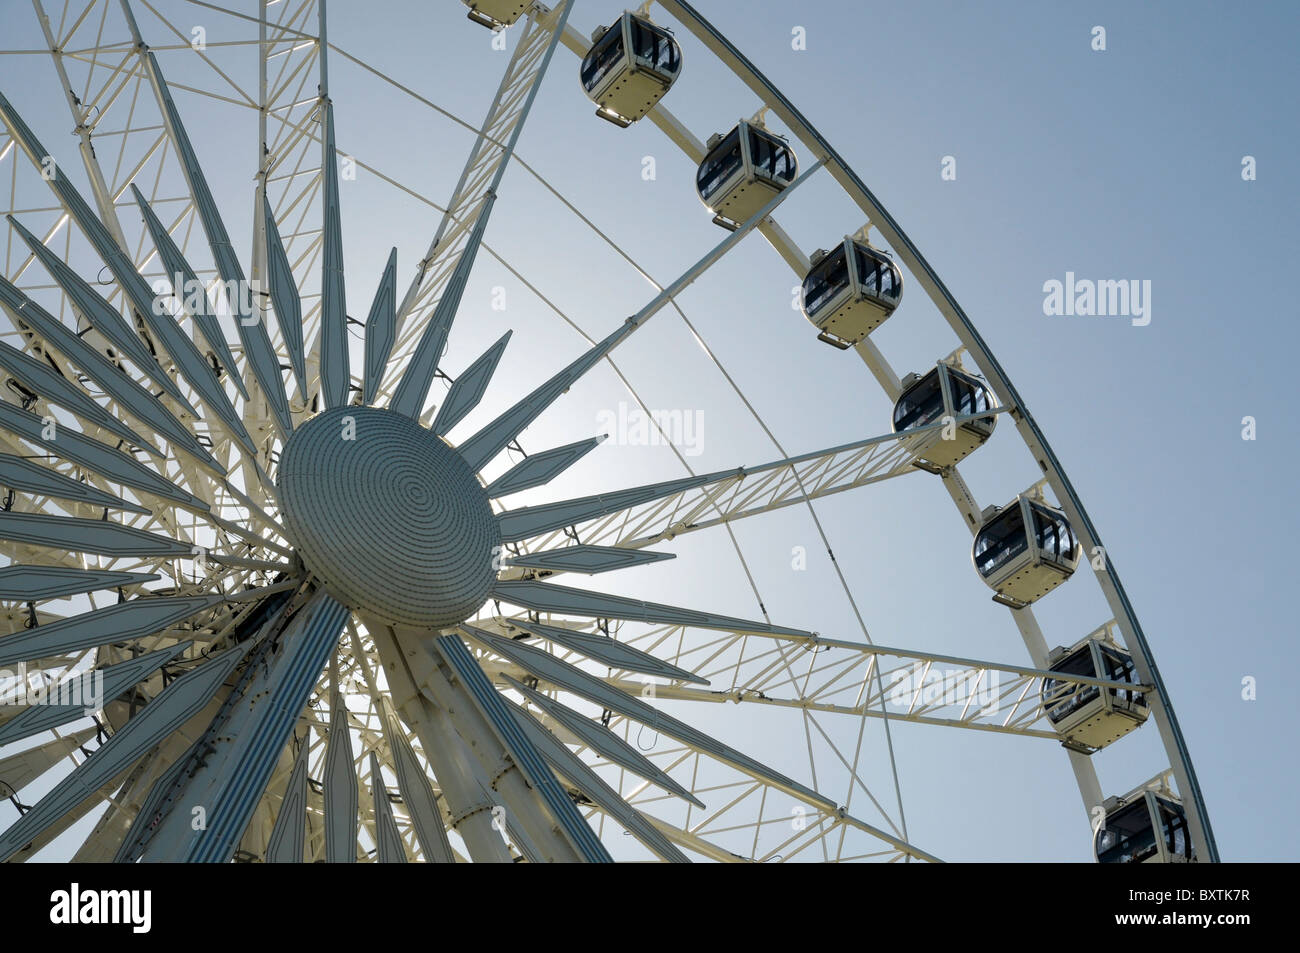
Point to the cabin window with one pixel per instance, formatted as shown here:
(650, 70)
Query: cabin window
(825, 281)
(1003, 539)
(604, 55)
(719, 165)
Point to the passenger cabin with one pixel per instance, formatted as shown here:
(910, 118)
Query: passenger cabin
(1024, 550)
(850, 291)
(1147, 828)
(629, 68)
(742, 172)
(944, 391)
(496, 14)
(1089, 717)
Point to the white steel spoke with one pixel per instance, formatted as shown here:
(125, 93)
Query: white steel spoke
(297, 627)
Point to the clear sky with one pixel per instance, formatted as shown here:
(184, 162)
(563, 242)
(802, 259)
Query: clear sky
(1123, 163)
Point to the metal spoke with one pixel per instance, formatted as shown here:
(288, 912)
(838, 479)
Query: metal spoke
(167, 546)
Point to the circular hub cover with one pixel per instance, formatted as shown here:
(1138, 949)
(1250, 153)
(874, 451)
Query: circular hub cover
(388, 517)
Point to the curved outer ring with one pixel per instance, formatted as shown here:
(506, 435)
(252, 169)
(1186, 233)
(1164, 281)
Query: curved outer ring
(1108, 579)
(1170, 732)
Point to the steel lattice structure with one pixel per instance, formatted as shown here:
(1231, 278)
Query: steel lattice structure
(310, 611)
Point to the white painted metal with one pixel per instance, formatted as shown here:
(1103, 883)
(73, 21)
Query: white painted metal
(465, 762)
(627, 84)
(961, 324)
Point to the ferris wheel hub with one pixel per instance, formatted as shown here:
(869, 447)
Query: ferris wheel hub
(388, 517)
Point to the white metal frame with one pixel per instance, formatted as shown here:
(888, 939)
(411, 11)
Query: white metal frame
(634, 78)
(796, 481)
(729, 196)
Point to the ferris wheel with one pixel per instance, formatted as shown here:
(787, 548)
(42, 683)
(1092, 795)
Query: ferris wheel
(268, 590)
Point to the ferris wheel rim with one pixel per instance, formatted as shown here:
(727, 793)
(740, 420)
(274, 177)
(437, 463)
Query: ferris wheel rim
(1165, 716)
(1004, 385)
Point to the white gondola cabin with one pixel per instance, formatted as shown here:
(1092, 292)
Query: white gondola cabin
(496, 14)
(850, 291)
(1146, 828)
(742, 172)
(1025, 550)
(1089, 717)
(944, 392)
(629, 68)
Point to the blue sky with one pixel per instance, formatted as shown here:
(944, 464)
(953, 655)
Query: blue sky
(1116, 164)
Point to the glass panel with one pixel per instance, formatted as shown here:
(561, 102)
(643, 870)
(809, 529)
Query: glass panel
(1077, 663)
(604, 55)
(1001, 540)
(969, 396)
(825, 281)
(878, 277)
(785, 167)
(1128, 837)
(963, 395)
(921, 404)
(719, 165)
(760, 152)
(655, 48)
(770, 156)
(868, 273)
(895, 281)
(1173, 822)
(1055, 538)
(1044, 532)
(1119, 667)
